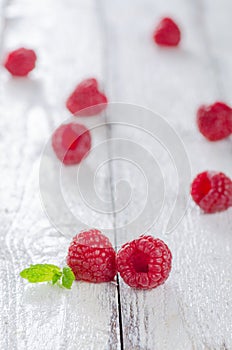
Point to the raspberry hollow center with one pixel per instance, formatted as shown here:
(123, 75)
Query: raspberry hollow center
(204, 187)
(140, 261)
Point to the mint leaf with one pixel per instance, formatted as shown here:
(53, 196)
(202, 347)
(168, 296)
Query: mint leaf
(67, 278)
(41, 273)
(56, 277)
(49, 273)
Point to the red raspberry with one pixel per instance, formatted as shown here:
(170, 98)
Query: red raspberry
(212, 191)
(215, 121)
(86, 95)
(144, 263)
(71, 143)
(20, 62)
(92, 257)
(167, 33)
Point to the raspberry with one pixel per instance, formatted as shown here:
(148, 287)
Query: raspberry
(144, 263)
(86, 95)
(20, 62)
(92, 257)
(212, 191)
(215, 121)
(167, 33)
(71, 143)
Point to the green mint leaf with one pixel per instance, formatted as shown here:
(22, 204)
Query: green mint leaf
(67, 278)
(40, 273)
(56, 277)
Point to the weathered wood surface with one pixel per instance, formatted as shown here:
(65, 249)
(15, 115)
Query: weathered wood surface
(112, 41)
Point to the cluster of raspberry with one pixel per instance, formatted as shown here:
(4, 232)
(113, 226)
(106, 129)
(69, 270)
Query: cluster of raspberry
(145, 262)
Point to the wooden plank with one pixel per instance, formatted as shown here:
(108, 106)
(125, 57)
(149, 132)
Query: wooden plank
(67, 40)
(192, 310)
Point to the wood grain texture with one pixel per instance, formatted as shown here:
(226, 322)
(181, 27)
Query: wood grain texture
(46, 317)
(192, 310)
(112, 41)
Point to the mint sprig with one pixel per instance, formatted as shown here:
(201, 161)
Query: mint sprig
(67, 277)
(49, 273)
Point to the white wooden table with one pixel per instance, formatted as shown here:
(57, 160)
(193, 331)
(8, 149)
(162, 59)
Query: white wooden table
(111, 40)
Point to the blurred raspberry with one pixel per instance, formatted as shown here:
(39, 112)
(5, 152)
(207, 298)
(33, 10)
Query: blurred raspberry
(71, 143)
(212, 191)
(86, 95)
(215, 121)
(167, 33)
(20, 62)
